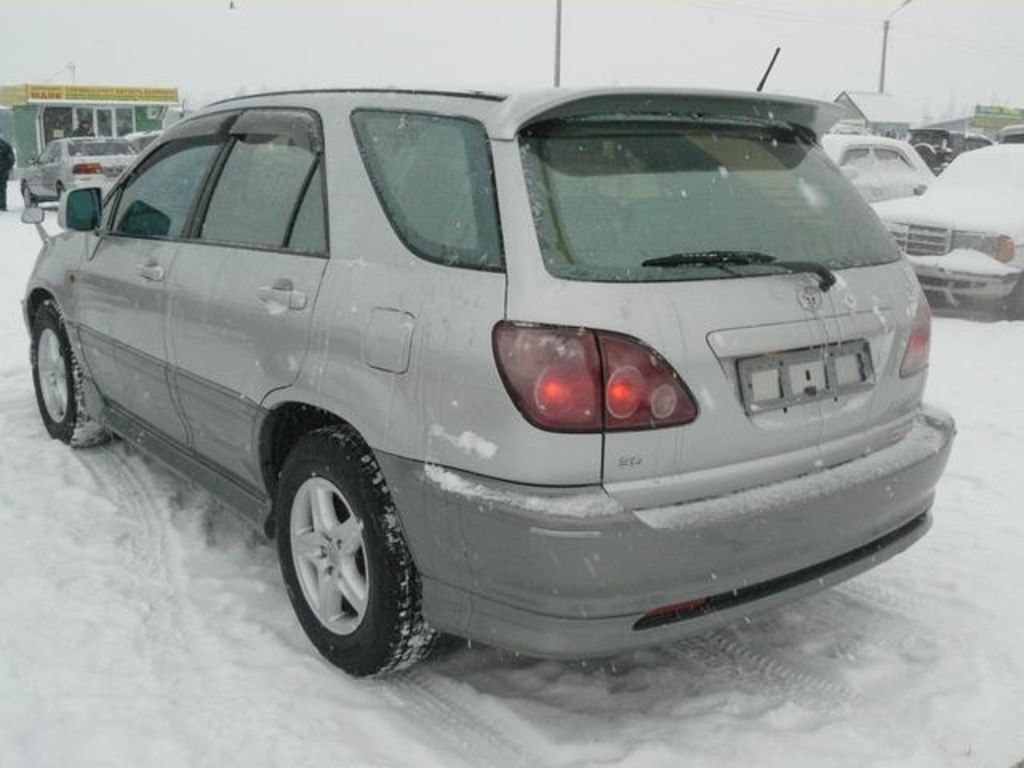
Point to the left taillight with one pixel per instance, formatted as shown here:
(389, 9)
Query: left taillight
(580, 380)
(915, 358)
(86, 169)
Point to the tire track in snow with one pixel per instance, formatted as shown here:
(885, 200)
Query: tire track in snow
(727, 650)
(172, 625)
(460, 712)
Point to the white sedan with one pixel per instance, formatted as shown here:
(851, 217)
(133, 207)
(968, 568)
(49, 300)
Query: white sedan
(76, 162)
(965, 236)
(880, 168)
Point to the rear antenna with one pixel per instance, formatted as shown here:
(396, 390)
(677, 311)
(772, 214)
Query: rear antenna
(760, 86)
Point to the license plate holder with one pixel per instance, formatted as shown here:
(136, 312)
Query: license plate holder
(798, 376)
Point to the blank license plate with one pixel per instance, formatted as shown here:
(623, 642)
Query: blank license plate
(804, 375)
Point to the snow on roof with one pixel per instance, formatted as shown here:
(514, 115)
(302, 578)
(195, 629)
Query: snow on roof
(879, 107)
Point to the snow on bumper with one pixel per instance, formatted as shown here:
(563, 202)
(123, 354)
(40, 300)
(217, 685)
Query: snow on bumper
(527, 578)
(965, 274)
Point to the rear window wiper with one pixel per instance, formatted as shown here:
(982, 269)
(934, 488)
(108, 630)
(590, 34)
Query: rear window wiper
(826, 278)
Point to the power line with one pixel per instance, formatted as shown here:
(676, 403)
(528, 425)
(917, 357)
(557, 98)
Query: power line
(782, 15)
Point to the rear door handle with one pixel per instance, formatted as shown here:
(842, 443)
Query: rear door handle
(152, 272)
(283, 293)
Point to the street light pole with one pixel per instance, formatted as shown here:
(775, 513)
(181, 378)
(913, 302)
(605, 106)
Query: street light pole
(558, 43)
(885, 42)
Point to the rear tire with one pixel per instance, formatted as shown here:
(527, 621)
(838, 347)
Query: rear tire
(58, 382)
(343, 557)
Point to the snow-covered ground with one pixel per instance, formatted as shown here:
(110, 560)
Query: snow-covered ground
(140, 626)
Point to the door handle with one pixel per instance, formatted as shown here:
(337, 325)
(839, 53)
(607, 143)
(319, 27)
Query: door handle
(283, 293)
(152, 272)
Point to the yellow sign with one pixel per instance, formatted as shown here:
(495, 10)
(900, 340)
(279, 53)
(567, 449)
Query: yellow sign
(13, 95)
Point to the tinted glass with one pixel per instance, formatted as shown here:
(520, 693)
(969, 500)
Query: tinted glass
(309, 232)
(258, 191)
(433, 176)
(608, 195)
(157, 202)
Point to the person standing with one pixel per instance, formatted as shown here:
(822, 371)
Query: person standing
(6, 163)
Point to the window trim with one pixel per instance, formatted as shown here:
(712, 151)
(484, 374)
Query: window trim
(157, 155)
(413, 249)
(198, 216)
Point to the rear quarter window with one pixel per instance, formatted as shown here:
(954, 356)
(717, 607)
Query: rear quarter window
(434, 178)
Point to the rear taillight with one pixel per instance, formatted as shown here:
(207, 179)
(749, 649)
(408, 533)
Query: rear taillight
(915, 359)
(578, 380)
(86, 169)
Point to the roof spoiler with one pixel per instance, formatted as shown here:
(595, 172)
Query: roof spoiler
(814, 116)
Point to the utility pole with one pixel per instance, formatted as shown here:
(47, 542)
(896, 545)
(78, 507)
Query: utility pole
(558, 43)
(885, 42)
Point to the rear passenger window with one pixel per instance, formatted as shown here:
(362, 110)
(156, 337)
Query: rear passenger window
(434, 179)
(259, 191)
(890, 158)
(157, 202)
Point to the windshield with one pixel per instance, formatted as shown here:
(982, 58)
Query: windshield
(99, 147)
(610, 194)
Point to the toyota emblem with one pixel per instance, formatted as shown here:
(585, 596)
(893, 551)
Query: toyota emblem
(810, 298)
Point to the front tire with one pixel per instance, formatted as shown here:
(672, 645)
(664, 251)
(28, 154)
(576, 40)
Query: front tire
(58, 383)
(347, 569)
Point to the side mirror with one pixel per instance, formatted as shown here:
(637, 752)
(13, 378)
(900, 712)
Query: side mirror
(850, 172)
(80, 209)
(920, 189)
(33, 215)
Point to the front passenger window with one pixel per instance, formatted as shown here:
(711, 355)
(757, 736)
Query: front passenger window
(157, 202)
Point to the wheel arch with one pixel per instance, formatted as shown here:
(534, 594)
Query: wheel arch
(281, 428)
(35, 299)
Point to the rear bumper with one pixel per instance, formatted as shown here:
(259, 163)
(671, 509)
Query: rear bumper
(569, 573)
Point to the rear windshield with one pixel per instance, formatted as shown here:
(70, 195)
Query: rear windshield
(609, 194)
(100, 147)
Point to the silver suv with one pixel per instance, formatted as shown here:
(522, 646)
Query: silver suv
(565, 372)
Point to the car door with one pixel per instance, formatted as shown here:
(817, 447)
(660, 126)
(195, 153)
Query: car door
(900, 178)
(52, 167)
(122, 286)
(243, 287)
(34, 173)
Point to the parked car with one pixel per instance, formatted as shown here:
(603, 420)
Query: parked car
(565, 372)
(68, 163)
(141, 139)
(1012, 134)
(965, 237)
(939, 147)
(880, 168)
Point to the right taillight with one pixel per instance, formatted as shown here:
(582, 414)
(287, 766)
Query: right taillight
(579, 380)
(915, 359)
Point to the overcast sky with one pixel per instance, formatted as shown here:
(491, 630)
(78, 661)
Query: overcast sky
(942, 53)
